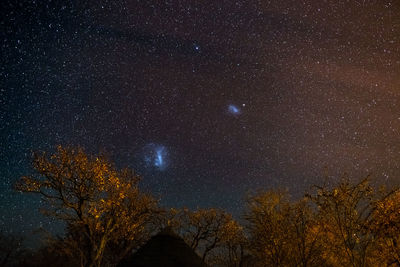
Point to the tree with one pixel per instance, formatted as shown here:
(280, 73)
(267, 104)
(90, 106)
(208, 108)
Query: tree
(385, 224)
(209, 231)
(307, 235)
(11, 249)
(281, 232)
(268, 215)
(92, 197)
(345, 215)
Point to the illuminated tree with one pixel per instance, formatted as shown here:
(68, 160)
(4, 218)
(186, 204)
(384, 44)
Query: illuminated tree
(307, 235)
(268, 216)
(92, 197)
(282, 233)
(345, 216)
(209, 231)
(385, 224)
(232, 247)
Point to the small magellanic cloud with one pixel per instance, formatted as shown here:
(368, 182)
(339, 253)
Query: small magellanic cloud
(234, 110)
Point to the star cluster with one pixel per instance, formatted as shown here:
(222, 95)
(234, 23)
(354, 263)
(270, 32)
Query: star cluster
(207, 100)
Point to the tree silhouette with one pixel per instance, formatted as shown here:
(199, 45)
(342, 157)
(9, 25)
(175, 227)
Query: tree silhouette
(11, 249)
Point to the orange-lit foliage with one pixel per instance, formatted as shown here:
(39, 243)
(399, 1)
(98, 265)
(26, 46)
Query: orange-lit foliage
(282, 233)
(268, 216)
(347, 225)
(90, 195)
(344, 216)
(209, 231)
(307, 235)
(386, 226)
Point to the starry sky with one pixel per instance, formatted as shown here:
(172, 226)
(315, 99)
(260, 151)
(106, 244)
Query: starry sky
(207, 100)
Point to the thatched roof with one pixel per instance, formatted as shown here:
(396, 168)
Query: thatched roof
(165, 249)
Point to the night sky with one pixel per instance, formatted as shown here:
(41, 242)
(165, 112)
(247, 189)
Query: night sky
(207, 100)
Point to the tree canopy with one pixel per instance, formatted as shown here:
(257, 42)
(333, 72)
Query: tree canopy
(108, 217)
(99, 203)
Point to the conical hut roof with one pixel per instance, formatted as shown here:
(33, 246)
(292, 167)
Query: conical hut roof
(165, 249)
